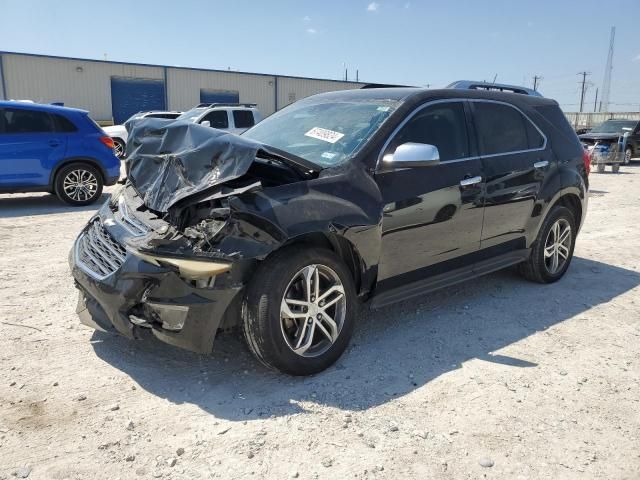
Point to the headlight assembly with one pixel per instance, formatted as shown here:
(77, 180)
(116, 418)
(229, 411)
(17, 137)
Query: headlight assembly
(188, 268)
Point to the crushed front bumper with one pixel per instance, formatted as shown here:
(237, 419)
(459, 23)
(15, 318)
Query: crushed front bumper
(140, 295)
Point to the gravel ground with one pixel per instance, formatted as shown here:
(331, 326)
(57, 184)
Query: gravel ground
(495, 378)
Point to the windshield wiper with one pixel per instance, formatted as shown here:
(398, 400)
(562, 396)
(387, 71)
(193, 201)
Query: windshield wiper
(299, 163)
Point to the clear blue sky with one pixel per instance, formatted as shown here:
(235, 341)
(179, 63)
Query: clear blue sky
(405, 41)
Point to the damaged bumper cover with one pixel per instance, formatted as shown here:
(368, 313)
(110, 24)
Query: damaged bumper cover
(124, 291)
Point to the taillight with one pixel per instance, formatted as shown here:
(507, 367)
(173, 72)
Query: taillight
(108, 142)
(586, 158)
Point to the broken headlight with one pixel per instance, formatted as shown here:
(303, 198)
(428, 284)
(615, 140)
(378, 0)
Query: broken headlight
(188, 268)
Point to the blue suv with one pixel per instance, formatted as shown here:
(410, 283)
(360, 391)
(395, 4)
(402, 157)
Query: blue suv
(48, 148)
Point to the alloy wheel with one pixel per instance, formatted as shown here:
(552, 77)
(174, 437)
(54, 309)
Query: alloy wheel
(557, 246)
(312, 311)
(118, 149)
(80, 185)
(627, 156)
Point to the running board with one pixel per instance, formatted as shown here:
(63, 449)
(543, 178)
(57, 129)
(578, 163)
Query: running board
(437, 282)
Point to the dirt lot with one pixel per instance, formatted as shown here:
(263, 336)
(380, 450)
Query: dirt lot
(495, 378)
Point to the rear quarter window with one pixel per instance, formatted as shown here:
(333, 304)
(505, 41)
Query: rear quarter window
(63, 124)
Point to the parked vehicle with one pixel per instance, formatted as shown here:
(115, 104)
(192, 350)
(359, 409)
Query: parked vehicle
(47, 148)
(120, 135)
(230, 117)
(372, 195)
(610, 132)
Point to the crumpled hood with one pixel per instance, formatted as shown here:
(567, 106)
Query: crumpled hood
(171, 160)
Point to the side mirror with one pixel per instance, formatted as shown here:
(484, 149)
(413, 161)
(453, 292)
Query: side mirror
(410, 155)
(206, 123)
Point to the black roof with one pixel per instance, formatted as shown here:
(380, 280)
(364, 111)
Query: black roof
(420, 94)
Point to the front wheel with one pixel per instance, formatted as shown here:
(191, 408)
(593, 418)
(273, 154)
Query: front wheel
(78, 184)
(299, 310)
(628, 153)
(552, 251)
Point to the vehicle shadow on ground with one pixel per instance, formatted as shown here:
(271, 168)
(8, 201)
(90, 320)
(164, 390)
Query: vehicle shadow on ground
(26, 206)
(395, 350)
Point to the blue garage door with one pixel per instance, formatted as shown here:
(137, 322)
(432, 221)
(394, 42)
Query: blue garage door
(133, 95)
(219, 96)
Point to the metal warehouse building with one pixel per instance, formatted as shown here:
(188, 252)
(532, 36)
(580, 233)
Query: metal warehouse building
(113, 91)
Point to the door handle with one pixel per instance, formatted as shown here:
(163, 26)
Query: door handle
(466, 182)
(541, 164)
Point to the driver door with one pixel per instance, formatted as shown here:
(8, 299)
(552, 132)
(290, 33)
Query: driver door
(432, 217)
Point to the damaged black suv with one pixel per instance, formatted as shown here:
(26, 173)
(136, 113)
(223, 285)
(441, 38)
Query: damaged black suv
(339, 200)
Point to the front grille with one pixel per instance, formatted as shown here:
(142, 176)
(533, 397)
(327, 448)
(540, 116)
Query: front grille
(98, 252)
(128, 220)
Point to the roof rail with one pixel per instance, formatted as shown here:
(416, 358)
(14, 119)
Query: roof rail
(493, 87)
(209, 105)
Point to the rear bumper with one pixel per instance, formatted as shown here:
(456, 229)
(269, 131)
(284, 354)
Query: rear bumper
(140, 295)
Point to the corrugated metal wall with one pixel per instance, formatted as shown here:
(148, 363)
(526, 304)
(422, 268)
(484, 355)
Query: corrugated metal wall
(86, 84)
(77, 83)
(293, 89)
(184, 87)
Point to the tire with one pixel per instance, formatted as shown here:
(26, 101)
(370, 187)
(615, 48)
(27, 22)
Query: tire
(615, 168)
(628, 153)
(537, 268)
(273, 337)
(601, 167)
(119, 148)
(78, 184)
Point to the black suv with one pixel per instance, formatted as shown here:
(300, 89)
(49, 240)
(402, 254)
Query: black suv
(343, 198)
(610, 131)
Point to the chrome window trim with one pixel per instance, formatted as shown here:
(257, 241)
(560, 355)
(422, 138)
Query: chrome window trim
(462, 100)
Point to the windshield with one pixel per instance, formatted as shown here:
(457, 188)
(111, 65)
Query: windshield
(326, 133)
(192, 115)
(614, 126)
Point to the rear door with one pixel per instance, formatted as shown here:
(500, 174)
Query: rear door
(29, 147)
(432, 217)
(517, 162)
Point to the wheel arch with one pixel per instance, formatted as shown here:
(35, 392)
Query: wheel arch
(343, 248)
(79, 160)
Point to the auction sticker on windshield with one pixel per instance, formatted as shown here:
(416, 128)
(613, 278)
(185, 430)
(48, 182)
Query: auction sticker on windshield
(324, 134)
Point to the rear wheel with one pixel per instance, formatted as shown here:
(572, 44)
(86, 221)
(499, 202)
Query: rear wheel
(119, 148)
(601, 167)
(615, 168)
(299, 310)
(78, 184)
(552, 251)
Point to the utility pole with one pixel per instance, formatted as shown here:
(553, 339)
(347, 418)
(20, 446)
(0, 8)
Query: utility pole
(595, 102)
(584, 88)
(535, 82)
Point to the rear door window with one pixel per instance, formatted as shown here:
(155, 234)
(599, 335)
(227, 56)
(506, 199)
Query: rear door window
(442, 125)
(18, 120)
(503, 129)
(243, 118)
(217, 119)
